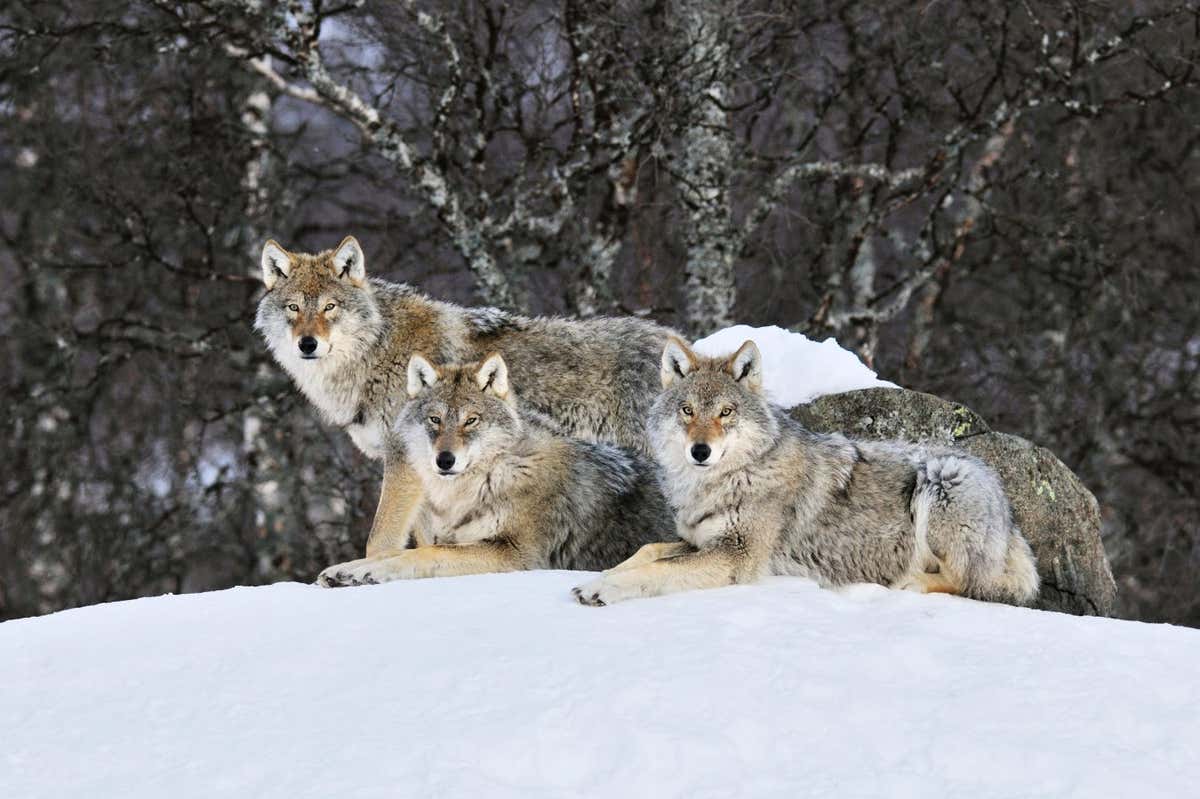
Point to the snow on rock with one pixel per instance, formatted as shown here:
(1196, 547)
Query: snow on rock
(796, 369)
(502, 686)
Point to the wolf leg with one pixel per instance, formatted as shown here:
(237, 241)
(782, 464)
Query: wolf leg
(399, 498)
(485, 557)
(707, 568)
(652, 552)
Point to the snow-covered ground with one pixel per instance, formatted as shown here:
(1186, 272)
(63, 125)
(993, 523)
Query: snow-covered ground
(796, 369)
(503, 686)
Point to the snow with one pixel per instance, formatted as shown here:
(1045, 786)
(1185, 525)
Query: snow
(502, 686)
(796, 369)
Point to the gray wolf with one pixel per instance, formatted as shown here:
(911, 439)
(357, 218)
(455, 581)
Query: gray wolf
(505, 493)
(754, 493)
(345, 339)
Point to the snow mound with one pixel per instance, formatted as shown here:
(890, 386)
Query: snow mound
(796, 369)
(502, 686)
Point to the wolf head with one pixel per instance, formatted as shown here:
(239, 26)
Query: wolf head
(316, 305)
(712, 413)
(458, 415)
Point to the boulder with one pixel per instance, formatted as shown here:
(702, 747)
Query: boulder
(1057, 514)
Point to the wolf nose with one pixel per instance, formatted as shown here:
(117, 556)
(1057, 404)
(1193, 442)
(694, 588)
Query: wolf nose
(445, 460)
(700, 452)
(308, 345)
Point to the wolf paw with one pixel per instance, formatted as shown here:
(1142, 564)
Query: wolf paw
(355, 572)
(586, 596)
(603, 591)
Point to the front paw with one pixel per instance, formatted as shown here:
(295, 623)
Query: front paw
(354, 572)
(598, 593)
(585, 596)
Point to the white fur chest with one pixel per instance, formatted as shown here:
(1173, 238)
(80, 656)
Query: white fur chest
(710, 506)
(335, 396)
(704, 531)
(368, 437)
(460, 510)
(701, 505)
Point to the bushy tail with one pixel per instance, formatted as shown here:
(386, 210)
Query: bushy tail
(960, 510)
(1018, 583)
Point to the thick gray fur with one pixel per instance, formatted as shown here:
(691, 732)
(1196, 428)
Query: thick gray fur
(775, 498)
(595, 378)
(514, 494)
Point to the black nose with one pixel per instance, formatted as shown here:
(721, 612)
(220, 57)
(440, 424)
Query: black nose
(700, 452)
(308, 345)
(445, 460)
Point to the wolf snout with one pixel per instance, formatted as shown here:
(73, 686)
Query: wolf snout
(700, 452)
(308, 345)
(444, 461)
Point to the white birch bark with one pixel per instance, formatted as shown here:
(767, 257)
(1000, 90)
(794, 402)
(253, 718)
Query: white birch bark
(298, 32)
(256, 453)
(706, 172)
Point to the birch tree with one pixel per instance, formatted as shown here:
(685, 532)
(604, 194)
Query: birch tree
(707, 163)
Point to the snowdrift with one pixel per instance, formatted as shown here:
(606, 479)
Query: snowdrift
(796, 369)
(502, 686)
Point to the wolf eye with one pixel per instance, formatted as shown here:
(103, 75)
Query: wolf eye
(293, 307)
(726, 412)
(686, 410)
(470, 421)
(435, 420)
(331, 306)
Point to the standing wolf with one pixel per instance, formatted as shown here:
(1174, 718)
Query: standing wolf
(754, 493)
(504, 493)
(346, 340)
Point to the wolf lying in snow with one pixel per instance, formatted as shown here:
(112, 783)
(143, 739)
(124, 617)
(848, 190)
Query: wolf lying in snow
(502, 492)
(345, 339)
(754, 493)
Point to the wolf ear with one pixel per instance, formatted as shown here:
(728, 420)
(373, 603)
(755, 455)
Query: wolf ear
(421, 374)
(746, 365)
(348, 261)
(276, 263)
(677, 360)
(493, 375)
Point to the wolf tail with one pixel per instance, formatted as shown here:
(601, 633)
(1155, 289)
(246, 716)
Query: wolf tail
(962, 514)
(1018, 583)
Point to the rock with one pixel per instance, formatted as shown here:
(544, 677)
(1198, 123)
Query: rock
(1057, 514)
(1061, 520)
(877, 413)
